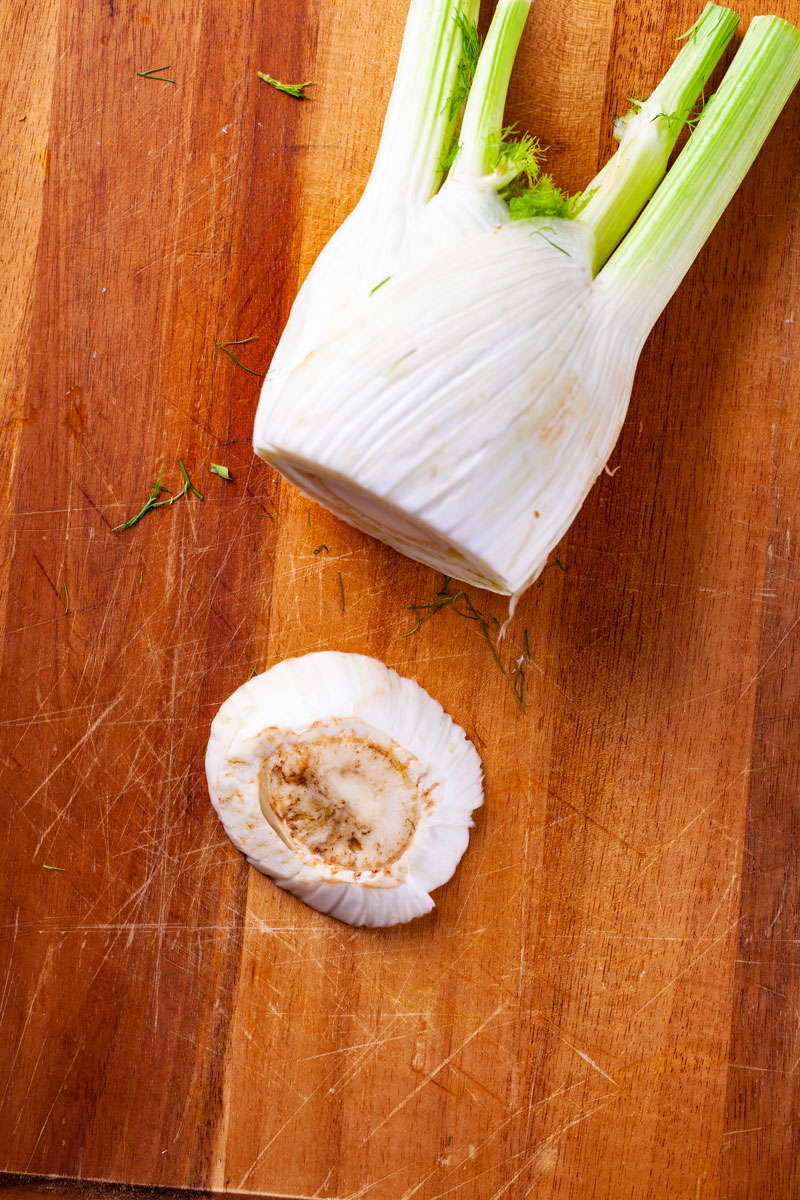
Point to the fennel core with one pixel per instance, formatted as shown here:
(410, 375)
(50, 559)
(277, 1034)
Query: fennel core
(527, 308)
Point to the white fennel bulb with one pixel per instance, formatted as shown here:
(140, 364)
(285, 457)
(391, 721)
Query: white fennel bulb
(346, 783)
(458, 364)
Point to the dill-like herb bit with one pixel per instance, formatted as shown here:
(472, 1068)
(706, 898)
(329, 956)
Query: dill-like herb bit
(554, 562)
(224, 347)
(690, 121)
(401, 359)
(141, 577)
(542, 233)
(341, 590)
(151, 502)
(188, 486)
(478, 737)
(320, 549)
(492, 647)
(47, 867)
(252, 673)
(66, 593)
(155, 73)
(291, 89)
(690, 32)
(425, 609)
(449, 157)
(223, 472)
(380, 285)
(470, 53)
(519, 687)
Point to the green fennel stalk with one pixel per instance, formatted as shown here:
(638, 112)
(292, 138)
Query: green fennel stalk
(733, 126)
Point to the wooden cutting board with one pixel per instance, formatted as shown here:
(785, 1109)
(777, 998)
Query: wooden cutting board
(604, 1003)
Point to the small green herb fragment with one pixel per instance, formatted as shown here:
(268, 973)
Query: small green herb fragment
(401, 359)
(425, 609)
(188, 486)
(66, 593)
(154, 502)
(542, 233)
(223, 472)
(478, 737)
(554, 562)
(155, 73)
(291, 89)
(151, 502)
(46, 867)
(380, 285)
(252, 673)
(461, 604)
(321, 549)
(690, 32)
(224, 347)
(341, 590)
(689, 121)
(449, 157)
(492, 647)
(141, 577)
(519, 687)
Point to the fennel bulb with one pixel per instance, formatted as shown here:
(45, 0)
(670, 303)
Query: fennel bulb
(346, 783)
(458, 363)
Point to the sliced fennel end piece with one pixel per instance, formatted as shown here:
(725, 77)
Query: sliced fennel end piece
(346, 783)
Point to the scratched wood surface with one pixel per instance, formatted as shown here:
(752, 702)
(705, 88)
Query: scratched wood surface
(604, 1003)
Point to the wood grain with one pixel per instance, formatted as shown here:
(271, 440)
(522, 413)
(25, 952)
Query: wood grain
(604, 1003)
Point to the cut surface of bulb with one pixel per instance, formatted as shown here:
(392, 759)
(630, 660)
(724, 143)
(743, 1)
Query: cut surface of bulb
(346, 783)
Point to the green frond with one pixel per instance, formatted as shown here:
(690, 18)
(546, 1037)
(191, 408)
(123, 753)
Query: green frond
(470, 53)
(542, 199)
(520, 156)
